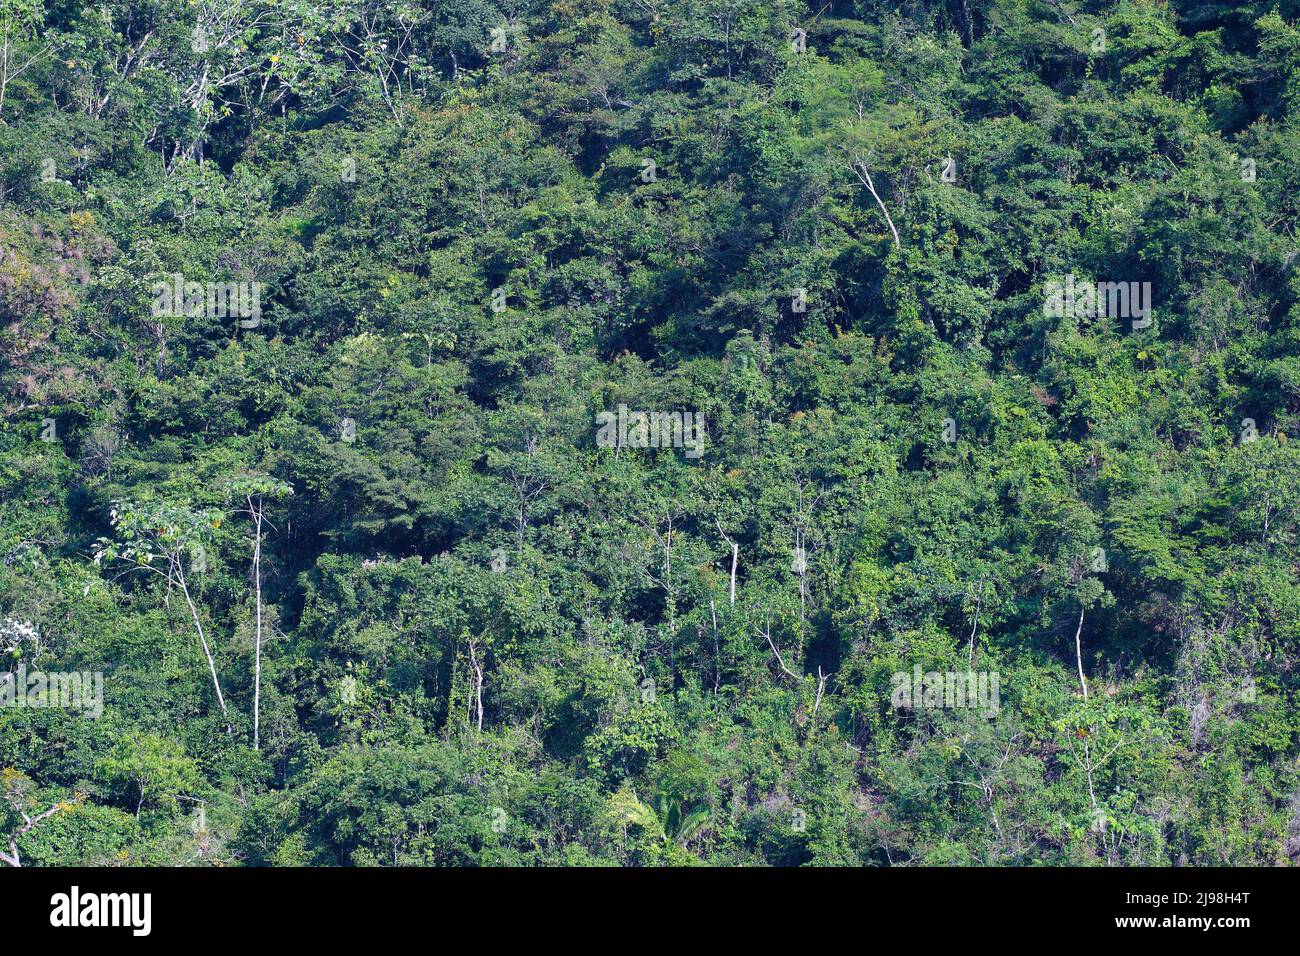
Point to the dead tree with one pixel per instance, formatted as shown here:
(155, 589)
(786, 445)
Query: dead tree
(858, 163)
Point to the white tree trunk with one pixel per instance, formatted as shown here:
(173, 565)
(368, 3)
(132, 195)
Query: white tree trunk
(207, 652)
(257, 641)
(1078, 654)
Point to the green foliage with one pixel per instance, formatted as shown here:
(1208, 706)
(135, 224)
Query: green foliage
(440, 622)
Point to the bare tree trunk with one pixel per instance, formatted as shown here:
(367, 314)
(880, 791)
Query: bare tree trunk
(180, 579)
(766, 633)
(821, 688)
(12, 857)
(9, 68)
(864, 176)
(802, 572)
(735, 557)
(4, 84)
(257, 641)
(979, 602)
(1078, 654)
(1087, 768)
(478, 685)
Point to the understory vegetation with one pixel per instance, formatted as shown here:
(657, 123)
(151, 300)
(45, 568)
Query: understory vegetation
(309, 312)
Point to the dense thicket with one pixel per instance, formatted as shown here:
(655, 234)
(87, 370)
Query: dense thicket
(482, 637)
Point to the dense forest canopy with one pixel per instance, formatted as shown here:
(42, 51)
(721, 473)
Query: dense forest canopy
(581, 431)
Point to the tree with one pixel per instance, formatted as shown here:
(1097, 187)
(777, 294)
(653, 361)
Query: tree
(156, 768)
(159, 538)
(255, 490)
(21, 46)
(15, 791)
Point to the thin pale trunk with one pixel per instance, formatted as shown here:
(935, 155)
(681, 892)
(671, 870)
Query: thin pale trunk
(1087, 767)
(803, 605)
(801, 571)
(735, 560)
(4, 85)
(979, 602)
(29, 823)
(1078, 654)
(478, 685)
(866, 179)
(993, 813)
(207, 652)
(257, 642)
(735, 557)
